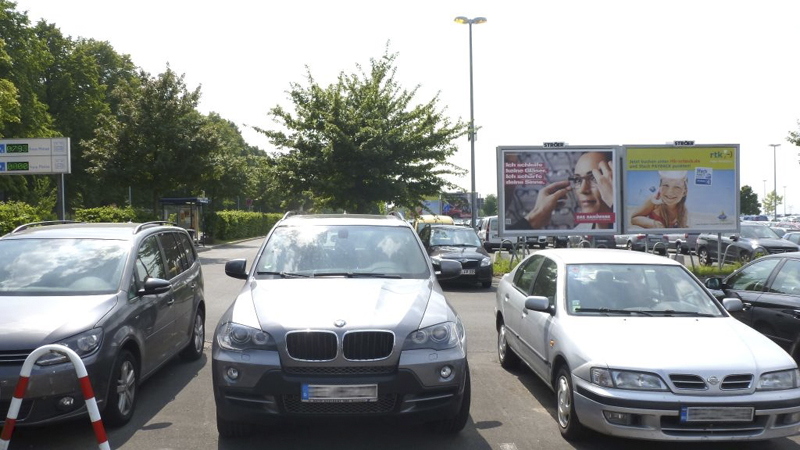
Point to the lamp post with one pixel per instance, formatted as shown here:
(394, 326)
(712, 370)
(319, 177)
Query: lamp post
(763, 202)
(775, 180)
(784, 203)
(473, 200)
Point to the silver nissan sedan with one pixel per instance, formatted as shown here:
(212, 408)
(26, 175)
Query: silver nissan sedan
(635, 346)
(341, 315)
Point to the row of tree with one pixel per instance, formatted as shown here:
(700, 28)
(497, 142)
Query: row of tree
(355, 145)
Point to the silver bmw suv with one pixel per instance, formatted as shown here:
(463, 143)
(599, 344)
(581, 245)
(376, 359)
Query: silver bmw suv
(341, 315)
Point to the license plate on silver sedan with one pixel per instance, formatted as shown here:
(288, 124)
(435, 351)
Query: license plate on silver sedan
(467, 271)
(716, 414)
(349, 393)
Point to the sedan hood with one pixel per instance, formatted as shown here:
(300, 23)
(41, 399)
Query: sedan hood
(774, 244)
(319, 302)
(29, 322)
(676, 344)
(458, 253)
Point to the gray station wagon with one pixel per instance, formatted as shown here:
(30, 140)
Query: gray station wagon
(125, 297)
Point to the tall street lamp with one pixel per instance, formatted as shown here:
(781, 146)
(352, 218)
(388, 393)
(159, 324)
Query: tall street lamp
(784, 203)
(473, 200)
(775, 180)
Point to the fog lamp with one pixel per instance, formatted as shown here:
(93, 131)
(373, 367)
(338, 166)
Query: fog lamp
(66, 402)
(791, 418)
(446, 371)
(233, 373)
(617, 417)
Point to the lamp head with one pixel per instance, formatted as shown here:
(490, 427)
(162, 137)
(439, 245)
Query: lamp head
(461, 19)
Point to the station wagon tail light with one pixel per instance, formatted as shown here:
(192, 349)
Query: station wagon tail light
(624, 379)
(83, 344)
(774, 381)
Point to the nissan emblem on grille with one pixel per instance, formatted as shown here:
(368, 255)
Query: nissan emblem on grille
(340, 323)
(713, 380)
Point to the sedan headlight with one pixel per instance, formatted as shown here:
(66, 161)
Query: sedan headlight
(237, 337)
(624, 379)
(83, 344)
(486, 262)
(436, 337)
(774, 381)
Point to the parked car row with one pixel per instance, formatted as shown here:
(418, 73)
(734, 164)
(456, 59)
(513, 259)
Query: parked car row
(752, 242)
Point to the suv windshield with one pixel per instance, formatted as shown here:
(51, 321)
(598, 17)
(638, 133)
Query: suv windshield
(625, 289)
(758, 232)
(319, 250)
(61, 266)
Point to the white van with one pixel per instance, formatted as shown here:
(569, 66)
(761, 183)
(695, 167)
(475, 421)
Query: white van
(490, 235)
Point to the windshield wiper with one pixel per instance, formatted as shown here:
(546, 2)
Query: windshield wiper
(671, 312)
(613, 311)
(285, 274)
(355, 275)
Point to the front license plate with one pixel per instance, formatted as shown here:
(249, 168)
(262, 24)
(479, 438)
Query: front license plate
(716, 414)
(349, 393)
(467, 271)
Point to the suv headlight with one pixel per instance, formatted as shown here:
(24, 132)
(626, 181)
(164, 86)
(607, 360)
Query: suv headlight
(436, 337)
(486, 262)
(774, 381)
(624, 379)
(83, 344)
(237, 337)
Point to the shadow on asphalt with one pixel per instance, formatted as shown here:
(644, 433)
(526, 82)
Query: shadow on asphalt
(153, 395)
(596, 441)
(357, 434)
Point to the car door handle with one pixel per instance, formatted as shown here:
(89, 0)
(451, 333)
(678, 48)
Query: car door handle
(505, 298)
(170, 302)
(193, 286)
(747, 306)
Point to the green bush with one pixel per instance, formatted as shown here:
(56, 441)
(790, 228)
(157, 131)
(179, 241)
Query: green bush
(230, 225)
(14, 214)
(701, 271)
(114, 214)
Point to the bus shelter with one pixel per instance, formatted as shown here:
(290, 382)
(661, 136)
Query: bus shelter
(186, 212)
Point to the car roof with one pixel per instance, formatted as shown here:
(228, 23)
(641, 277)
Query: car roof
(604, 256)
(449, 227)
(344, 219)
(118, 231)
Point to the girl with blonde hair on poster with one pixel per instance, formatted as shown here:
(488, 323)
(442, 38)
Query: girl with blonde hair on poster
(667, 207)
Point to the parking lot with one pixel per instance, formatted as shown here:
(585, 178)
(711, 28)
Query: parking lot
(510, 410)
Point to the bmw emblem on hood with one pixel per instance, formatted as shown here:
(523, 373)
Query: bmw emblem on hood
(340, 323)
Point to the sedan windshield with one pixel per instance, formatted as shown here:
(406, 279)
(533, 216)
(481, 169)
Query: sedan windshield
(61, 266)
(628, 289)
(343, 251)
(456, 237)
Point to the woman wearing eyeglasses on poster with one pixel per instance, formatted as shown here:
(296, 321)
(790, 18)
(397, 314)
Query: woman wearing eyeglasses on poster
(667, 207)
(593, 183)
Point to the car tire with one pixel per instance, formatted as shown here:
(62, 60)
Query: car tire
(568, 422)
(629, 246)
(459, 421)
(543, 245)
(194, 349)
(121, 399)
(508, 359)
(230, 429)
(703, 256)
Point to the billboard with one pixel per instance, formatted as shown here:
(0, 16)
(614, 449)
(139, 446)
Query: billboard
(673, 189)
(547, 191)
(35, 156)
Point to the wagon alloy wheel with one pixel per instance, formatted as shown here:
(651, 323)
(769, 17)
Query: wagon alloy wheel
(568, 423)
(508, 359)
(122, 390)
(194, 349)
(704, 258)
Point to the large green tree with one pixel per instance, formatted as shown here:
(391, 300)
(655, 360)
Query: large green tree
(770, 202)
(748, 201)
(490, 205)
(158, 142)
(360, 142)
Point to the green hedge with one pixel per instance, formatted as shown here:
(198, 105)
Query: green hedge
(230, 225)
(14, 214)
(114, 214)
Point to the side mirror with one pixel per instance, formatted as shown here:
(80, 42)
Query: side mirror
(446, 269)
(734, 238)
(732, 304)
(154, 286)
(236, 268)
(537, 303)
(715, 283)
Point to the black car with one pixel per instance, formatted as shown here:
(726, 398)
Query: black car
(459, 244)
(770, 291)
(752, 242)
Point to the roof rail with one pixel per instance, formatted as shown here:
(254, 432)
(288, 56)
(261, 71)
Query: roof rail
(289, 214)
(398, 214)
(43, 224)
(152, 224)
